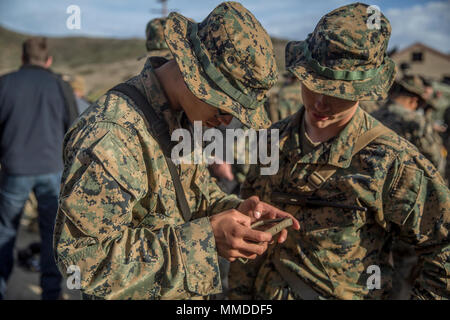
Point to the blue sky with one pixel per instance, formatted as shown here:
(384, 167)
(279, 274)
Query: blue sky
(412, 20)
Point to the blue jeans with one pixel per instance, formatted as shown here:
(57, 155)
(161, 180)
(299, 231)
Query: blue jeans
(14, 192)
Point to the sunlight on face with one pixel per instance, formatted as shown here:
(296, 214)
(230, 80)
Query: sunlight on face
(323, 111)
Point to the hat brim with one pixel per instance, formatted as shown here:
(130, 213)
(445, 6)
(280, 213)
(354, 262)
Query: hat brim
(412, 89)
(375, 88)
(176, 35)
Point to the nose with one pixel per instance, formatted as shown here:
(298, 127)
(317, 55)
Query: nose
(320, 104)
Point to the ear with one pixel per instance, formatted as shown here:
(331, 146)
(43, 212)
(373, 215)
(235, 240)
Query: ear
(49, 62)
(414, 102)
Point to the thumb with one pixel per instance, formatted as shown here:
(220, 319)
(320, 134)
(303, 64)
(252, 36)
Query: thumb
(249, 207)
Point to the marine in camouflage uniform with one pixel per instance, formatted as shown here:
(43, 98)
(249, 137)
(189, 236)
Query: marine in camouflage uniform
(418, 129)
(402, 191)
(118, 218)
(410, 124)
(155, 43)
(370, 106)
(284, 100)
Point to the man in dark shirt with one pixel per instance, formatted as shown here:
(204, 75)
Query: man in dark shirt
(36, 109)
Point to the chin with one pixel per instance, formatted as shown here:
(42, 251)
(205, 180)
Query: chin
(321, 124)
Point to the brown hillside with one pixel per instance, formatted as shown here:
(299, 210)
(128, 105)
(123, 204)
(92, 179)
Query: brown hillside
(102, 62)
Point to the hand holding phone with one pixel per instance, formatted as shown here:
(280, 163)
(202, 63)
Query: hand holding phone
(272, 226)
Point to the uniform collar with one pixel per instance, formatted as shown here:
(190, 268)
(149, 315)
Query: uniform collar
(336, 152)
(149, 85)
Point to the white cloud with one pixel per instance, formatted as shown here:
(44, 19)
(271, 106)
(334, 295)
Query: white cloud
(427, 23)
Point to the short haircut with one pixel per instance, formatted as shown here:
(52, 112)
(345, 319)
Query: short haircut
(34, 50)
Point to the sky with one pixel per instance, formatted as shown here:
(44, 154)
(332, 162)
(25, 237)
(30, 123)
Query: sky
(426, 21)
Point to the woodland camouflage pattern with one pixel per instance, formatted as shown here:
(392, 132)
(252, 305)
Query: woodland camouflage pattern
(118, 218)
(238, 47)
(405, 197)
(342, 41)
(285, 100)
(413, 127)
(370, 106)
(155, 42)
(154, 33)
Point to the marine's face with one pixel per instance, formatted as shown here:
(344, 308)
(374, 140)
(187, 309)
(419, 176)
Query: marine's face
(323, 111)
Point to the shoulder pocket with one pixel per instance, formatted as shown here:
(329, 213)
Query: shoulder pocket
(404, 193)
(117, 159)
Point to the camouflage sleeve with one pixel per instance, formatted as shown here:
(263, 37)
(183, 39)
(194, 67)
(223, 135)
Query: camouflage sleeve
(104, 178)
(418, 202)
(218, 200)
(424, 139)
(247, 189)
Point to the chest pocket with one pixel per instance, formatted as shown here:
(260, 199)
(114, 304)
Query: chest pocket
(159, 206)
(316, 219)
(326, 227)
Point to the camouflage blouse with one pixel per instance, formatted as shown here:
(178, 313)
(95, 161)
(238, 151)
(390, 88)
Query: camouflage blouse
(335, 248)
(118, 219)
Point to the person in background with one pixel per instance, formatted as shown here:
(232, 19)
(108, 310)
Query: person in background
(400, 114)
(155, 43)
(284, 100)
(36, 109)
(79, 89)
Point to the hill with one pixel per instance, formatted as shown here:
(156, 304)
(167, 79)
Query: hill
(71, 52)
(103, 62)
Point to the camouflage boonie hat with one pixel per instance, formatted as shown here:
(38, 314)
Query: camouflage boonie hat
(343, 57)
(154, 33)
(226, 60)
(414, 84)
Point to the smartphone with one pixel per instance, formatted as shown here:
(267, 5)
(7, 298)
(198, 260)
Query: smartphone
(273, 226)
